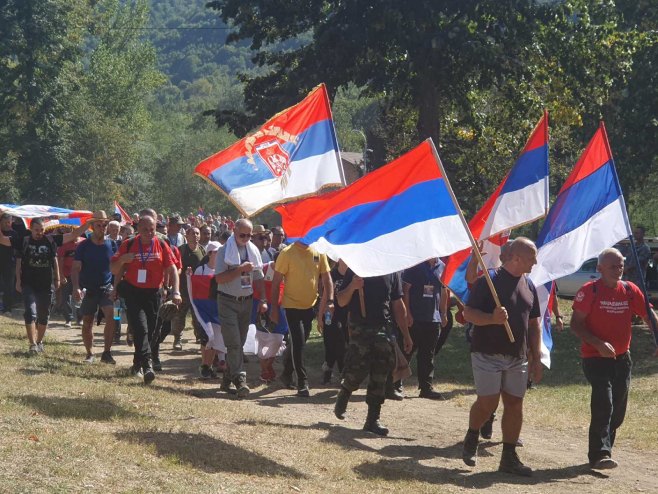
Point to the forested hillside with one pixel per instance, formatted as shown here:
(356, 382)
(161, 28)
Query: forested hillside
(135, 94)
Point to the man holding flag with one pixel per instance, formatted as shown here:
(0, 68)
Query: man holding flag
(500, 366)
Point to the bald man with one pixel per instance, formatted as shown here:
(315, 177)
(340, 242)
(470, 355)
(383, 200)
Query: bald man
(602, 315)
(500, 367)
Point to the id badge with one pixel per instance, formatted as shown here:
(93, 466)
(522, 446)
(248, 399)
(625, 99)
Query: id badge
(141, 276)
(245, 280)
(428, 291)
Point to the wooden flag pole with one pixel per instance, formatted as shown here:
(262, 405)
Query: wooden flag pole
(362, 301)
(476, 251)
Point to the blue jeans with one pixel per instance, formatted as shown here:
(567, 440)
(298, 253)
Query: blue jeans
(610, 380)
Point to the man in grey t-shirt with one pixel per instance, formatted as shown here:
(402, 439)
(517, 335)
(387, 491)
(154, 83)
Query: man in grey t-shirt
(235, 282)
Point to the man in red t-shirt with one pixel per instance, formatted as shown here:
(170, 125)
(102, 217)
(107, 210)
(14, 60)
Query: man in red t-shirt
(65, 255)
(602, 315)
(139, 268)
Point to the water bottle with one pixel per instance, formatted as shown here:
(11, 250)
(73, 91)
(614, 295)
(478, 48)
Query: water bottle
(117, 310)
(327, 317)
(77, 303)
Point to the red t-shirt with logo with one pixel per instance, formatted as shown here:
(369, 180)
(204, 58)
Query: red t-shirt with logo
(609, 314)
(154, 258)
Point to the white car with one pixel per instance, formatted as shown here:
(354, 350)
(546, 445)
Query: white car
(568, 286)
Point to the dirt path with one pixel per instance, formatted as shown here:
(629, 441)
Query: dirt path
(425, 441)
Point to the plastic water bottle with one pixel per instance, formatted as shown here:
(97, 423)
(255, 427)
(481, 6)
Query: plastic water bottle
(117, 310)
(327, 317)
(77, 303)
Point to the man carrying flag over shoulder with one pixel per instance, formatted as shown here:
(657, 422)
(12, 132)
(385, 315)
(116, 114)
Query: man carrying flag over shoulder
(500, 367)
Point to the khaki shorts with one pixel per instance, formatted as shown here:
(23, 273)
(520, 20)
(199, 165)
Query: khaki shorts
(496, 373)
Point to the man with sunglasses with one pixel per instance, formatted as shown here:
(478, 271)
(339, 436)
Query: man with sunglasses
(278, 236)
(238, 267)
(261, 238)
(91, 271)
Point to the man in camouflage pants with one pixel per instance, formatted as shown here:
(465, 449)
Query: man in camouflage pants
(371, 350)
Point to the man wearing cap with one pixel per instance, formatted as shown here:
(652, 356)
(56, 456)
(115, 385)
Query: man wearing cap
(278, 236)
(191, 256)
(139, 267)
(261, 239)
(91, 271)
(238, 267)
(174, 235)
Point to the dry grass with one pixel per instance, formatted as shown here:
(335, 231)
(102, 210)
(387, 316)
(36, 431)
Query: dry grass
(67, 427)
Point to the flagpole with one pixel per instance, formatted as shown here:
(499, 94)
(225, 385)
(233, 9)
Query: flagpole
(476, 251)
(636, 258)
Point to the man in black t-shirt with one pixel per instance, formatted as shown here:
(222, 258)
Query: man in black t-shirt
(37, 274)
(427, 303)
(7, 265)
(500, 367)
(371, 351)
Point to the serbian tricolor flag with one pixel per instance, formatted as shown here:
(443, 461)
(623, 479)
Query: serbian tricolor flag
(54, 217)
(391, 219)
(521, 198)
(204, 302)
(588, 215)
(294, 154)
(125, 217)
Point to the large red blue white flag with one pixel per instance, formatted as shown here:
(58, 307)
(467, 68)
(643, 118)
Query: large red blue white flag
(294, 154)
(125, 217)
(588, 215)
(389, 220)
(521, 198)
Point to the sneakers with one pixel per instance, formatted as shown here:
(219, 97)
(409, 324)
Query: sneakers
(106, 358)
(34, 349)
(149, 374)
(157, 365)
(242, 388)
(486, 431)
(178, 344)
(89, 359)
(67, 324)
(136, 370)
(303, 392)
(605, 463)
(227, 387)
(470, 451)
(394, 394)
(430, 394)
(205, 372)
(510, 463)
(40, 347)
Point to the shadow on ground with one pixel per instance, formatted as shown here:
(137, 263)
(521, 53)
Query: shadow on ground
(209, 454)
(82, 407)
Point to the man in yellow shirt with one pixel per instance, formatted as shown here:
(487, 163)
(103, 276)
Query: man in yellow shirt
(303, 269)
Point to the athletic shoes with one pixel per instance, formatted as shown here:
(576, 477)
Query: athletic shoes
(303, 392)
(136, 370)
(67, 324)
(106, 358)
(178, 344)
(89, 359)
(149, 374)
(157, 365)
(605, 463)
(40, 347)
(34, 349)
(205, 372)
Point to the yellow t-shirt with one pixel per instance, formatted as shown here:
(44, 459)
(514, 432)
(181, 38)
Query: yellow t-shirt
(301, 267)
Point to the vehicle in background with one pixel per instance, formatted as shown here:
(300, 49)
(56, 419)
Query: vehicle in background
(568, 286)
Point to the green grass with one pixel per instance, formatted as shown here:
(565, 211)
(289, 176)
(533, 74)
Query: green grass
(67, 427)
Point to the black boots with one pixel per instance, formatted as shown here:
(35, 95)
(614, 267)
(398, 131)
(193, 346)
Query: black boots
(372, 421)
(341, 403)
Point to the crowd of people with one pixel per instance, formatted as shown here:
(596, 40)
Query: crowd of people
(371, 326)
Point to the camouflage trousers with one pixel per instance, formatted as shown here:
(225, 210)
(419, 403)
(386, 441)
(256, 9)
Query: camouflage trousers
(370, 352)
